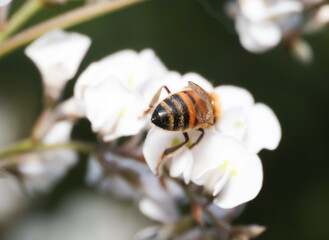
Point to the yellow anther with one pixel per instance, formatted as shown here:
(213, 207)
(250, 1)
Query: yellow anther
(122, 112)
(175, 142)
(234, 172)
(239, 125)
(223, 167)
(130, 79)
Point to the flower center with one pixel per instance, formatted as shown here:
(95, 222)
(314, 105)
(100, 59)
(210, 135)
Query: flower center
(130, 79)
(240, 125)
(122, 112)
(224, 168)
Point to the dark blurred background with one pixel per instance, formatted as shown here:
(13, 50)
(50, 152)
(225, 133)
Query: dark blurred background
(294, 201)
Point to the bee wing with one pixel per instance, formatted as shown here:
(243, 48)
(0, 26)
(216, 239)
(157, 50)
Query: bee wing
(203, 108)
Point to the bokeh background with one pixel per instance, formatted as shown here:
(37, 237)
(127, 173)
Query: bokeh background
(294, 201)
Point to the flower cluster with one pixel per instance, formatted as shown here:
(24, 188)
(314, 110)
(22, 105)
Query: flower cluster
(115, 92)
(263, 24)
(118, 94)
(225, 161)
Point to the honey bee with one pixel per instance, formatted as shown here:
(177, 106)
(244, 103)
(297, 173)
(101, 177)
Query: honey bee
(191, 109)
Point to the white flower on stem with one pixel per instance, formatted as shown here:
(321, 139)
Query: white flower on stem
(57, 55)
(154, 200)
(113, 91)
(261, 24)
(253, 124)
(71, 108)
(160, 203)
(220, 164)
(225, 162)
(42, 170)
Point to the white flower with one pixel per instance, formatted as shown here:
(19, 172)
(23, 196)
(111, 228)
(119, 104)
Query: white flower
(261, 24)
(222, 165)
(154, 201)
(58, 55)
(225, 161)
(255, 125)
(114, 91)
(41, 171)
(97, 176)
(158, 203)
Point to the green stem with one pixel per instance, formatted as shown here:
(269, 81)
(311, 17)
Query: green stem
(65, 20)
(22, 146)
(27, 10)
(28, 145)
(76, 146)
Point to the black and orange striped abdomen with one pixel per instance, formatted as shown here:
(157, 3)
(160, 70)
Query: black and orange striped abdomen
(177, 112)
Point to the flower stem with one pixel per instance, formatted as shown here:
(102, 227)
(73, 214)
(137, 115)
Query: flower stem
(28, 145)
(69, 19)
(22, 146)
(27, 10)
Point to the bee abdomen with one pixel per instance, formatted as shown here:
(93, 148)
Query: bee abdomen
(172, 114)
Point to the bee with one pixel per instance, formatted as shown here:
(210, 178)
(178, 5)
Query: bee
(191, 109)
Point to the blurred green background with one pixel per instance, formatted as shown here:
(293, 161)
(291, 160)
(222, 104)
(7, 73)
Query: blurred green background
(294, 201)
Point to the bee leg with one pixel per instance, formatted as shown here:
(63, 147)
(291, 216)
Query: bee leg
(199, 139)
(169, 151)
(156, 98)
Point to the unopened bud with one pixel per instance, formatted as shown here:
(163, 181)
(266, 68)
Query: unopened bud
(302, 51)
(246, 232)
(318, 21)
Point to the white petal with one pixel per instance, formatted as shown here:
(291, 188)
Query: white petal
(233, 123)
(224, 165)
(155, 211)
(257, 37)
(244, 185)
(264, 129)
(231, 96)
(157, 140)
(254, 10)
(134, 70)
(93, 75)
(182, 163)
(113, 110)
(147, 233)
(31, 164)
(72, 108)
(60, 132)
(212, 151)
(242, 28)
(281, 8)
(173, 80)
(94, 171)
(175, 83)
(58, 55)
(265, 33)
(198, 79)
